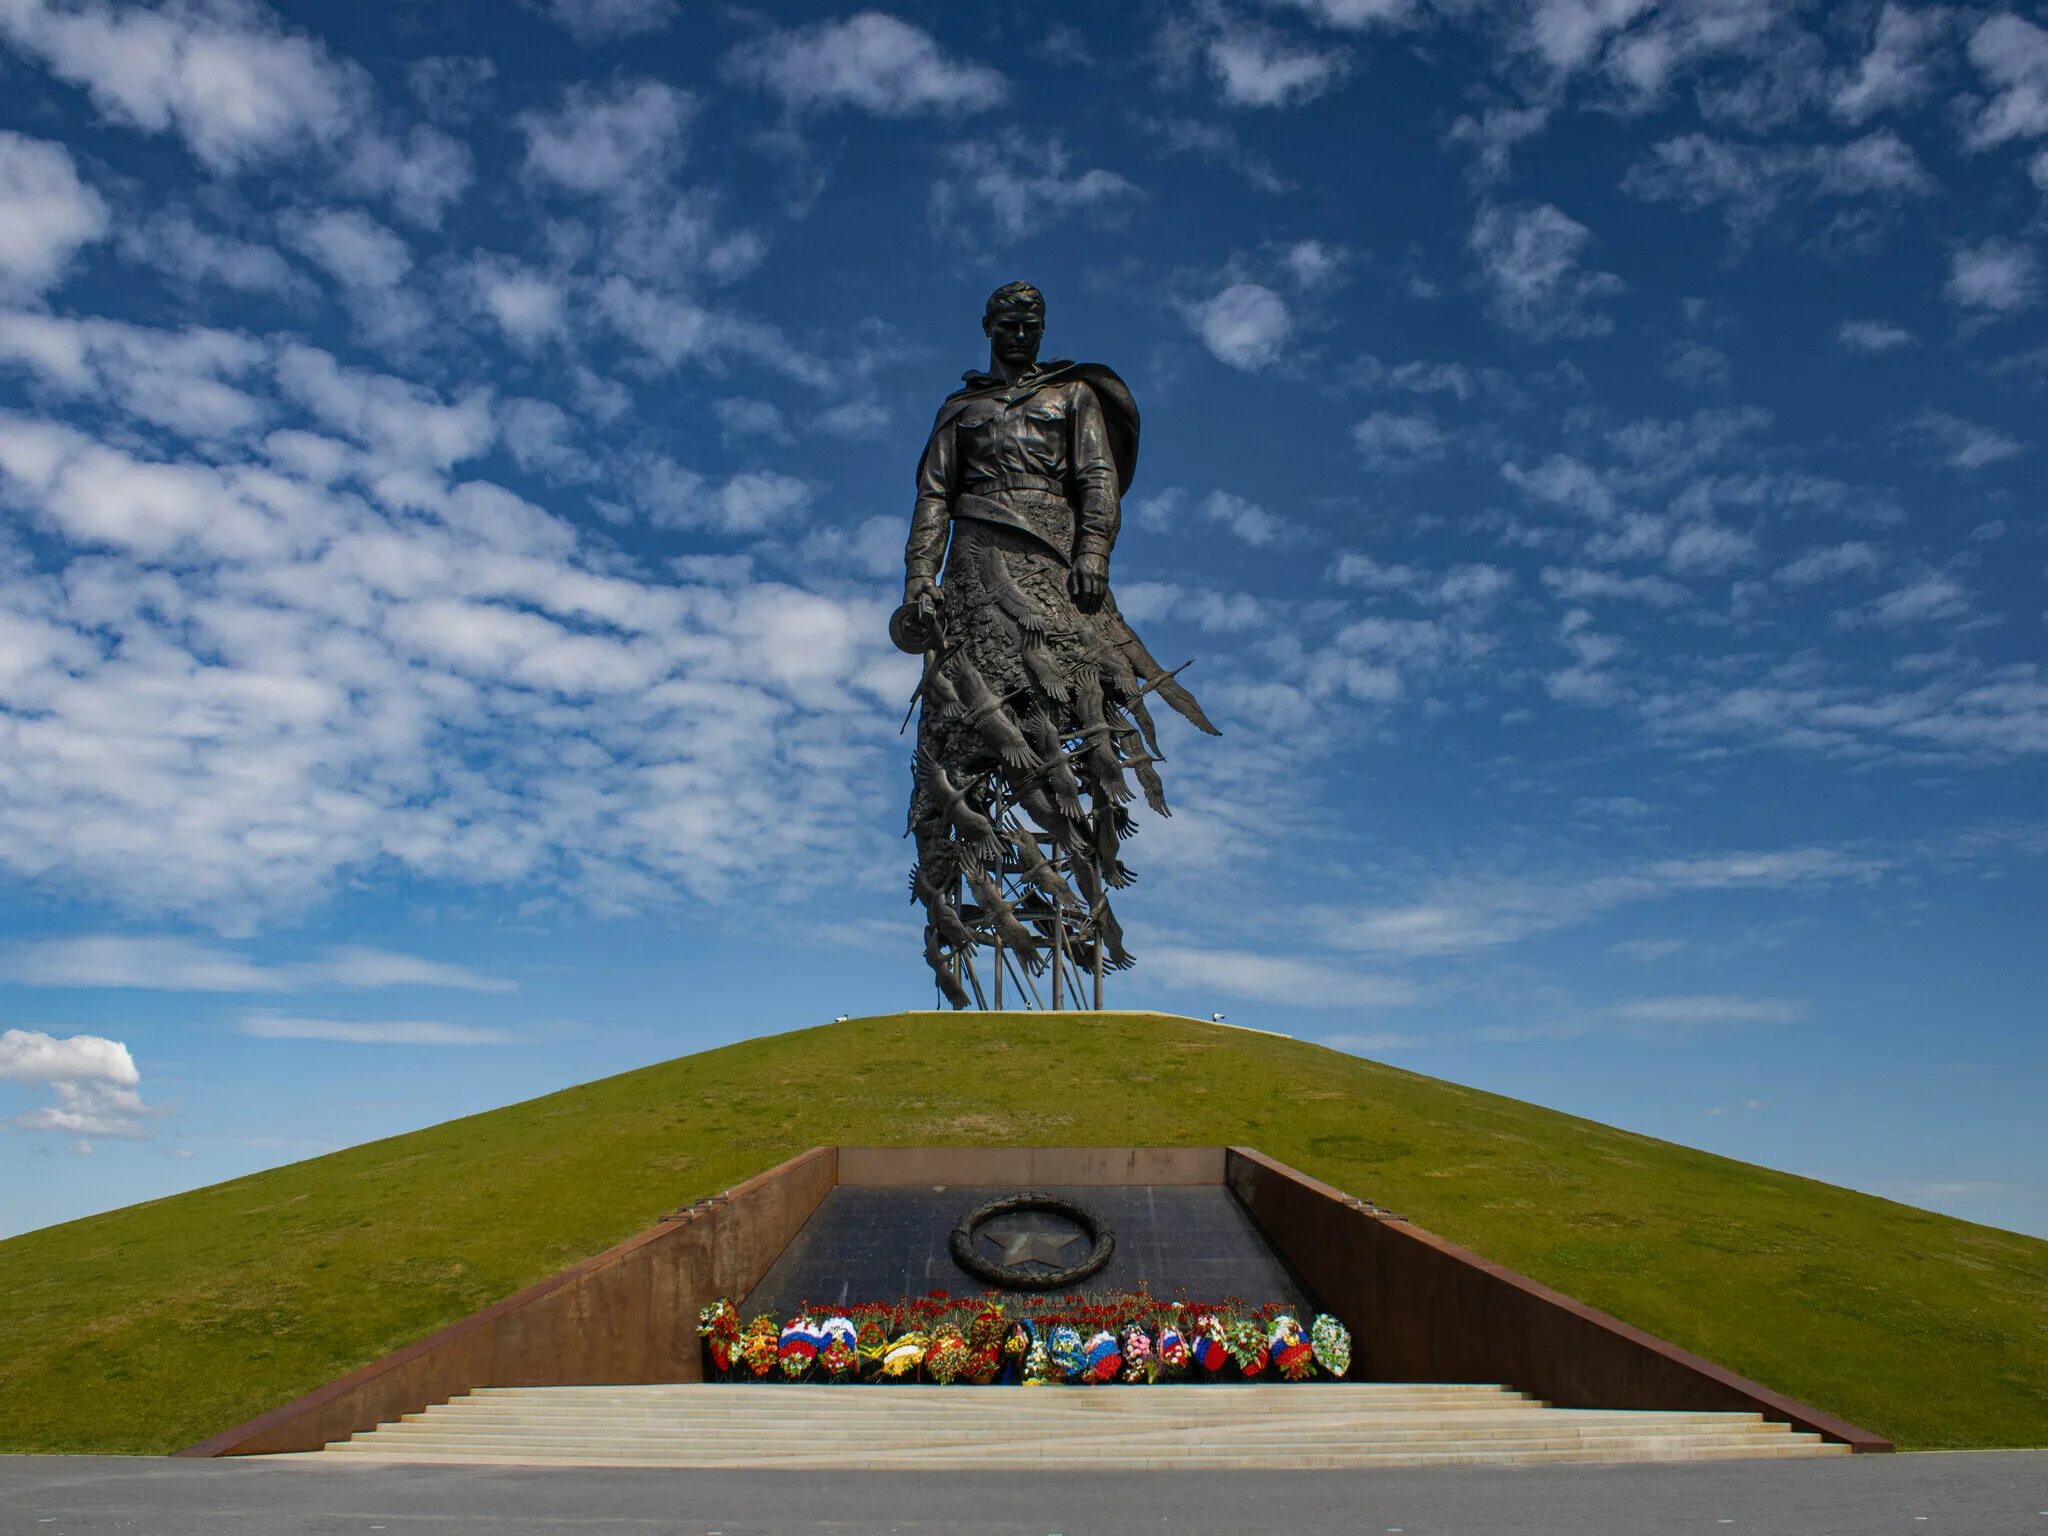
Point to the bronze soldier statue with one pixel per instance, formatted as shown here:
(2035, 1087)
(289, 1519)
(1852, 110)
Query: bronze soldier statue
(1034, 689)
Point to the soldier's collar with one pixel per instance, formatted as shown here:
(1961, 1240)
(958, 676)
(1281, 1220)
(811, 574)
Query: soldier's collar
(975, 381)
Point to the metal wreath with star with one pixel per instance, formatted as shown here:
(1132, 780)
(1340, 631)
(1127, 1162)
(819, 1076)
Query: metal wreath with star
(1031, 1247)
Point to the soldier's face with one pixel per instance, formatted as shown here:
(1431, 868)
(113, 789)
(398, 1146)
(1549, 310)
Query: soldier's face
(1015, 334)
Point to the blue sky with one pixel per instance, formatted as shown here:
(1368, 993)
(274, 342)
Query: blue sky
(455, 463)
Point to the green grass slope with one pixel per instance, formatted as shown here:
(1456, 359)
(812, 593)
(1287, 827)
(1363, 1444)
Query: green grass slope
(152, 1327)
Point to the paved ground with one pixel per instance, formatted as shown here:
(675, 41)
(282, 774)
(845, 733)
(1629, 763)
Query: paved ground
(1984, 1494)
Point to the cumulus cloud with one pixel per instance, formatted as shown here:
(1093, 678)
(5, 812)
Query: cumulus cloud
(870, 61)
(1019, 183)
(1898, 69)
(618, 139)
(94, 1080)
(528, 306)
(1254, 66)
(1829, 562)
(1872, 337)
(1965, 444)
(1247, 325)
(46, 214)
(226, 77)
(1994, 277)
(1242, 518)
(1531, 260)
(29, 1056)
(1585, 586)
(1398, 439)
(2011, 54)
(239, 88)
(176, 244)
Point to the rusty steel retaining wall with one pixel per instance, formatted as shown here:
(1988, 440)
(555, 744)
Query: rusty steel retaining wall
(628, 1314)
(1423, 1309)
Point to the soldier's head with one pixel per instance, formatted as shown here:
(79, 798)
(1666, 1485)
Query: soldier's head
(1014, 322)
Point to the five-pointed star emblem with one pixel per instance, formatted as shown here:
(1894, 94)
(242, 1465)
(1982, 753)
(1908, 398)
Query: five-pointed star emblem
(1023, 1247)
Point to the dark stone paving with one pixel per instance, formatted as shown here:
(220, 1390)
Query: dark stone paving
(883, 1244)
(1986, 1494)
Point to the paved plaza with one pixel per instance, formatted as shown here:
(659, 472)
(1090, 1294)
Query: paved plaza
(1966, 1494)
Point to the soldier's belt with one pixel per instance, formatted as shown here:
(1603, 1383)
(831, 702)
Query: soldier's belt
(1018, 482)
(1045, 518)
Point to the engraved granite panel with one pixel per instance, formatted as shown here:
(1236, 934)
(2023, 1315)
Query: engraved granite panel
(881, 1244)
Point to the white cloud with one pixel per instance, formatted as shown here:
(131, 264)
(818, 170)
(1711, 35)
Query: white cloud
(1493, 135)
(1531, 260)
(226, 77)
(1966, 444)
(387, 415)
(1398, 439)
(1933, 597)
(165, 964)
(1706, 549)
(240, 673)
(1827, 562)
(592, 22)
(269, 1026)
(870, 61)
(527, 306)
(1580, 586)
(740, 417)
(94, 1079)
(1998, 276)
(175, 244)
(750, 502)
(351, 247)
(1246, 519)
(1313, 264)
(1711, 1008)
(1872, 337)
(2011, 53)
(1247, 326)
(1896, 71)
(46, 214)
(1021, 183)
(1355, 15)
(1564, 481)
(1256, 67)
(1276, 978)
(29, 1056)
(1750, 183)
(1470, 915)
(619, 140)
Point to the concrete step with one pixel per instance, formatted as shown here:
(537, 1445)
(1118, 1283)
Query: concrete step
(1252, 1436)
(1241, 1425)
(1222, 1460)
(1534, 1421)
(1457, 1412)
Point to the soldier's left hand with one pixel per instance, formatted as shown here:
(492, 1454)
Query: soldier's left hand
(1090, 582)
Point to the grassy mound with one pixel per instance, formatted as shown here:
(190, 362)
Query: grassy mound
(152, 1327)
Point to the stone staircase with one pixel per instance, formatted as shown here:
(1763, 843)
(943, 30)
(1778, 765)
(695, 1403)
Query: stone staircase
(1243, 1425)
